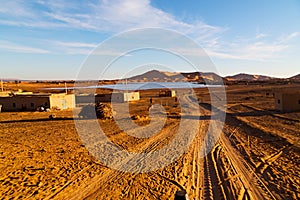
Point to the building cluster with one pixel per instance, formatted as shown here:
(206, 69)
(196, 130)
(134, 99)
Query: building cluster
(109, 97)
(28, 101)
(287, 101)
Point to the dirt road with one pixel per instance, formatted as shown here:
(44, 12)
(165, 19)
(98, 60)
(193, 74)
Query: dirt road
(222, 174)
(252, 159)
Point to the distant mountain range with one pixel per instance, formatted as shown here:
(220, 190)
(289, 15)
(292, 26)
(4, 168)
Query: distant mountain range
(248, 77)
(200, 77)
(296, 77)
(159, 76)
(207, 77)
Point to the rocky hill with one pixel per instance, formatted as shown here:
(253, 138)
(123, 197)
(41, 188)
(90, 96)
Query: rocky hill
(248, 77)
(162, 76)
(204, 77)
(297, 77)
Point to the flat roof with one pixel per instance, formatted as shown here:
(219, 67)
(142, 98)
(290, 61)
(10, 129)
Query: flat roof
(37, 95)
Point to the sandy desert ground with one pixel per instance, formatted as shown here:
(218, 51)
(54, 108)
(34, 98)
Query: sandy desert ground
(257, 155)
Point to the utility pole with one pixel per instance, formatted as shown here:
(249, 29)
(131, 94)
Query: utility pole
(1, 85)
(126, 90)
(66, 89)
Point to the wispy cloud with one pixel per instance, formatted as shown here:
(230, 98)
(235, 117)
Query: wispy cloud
(112, 16)
(101, 16)
(74, 44)
(8, 46)
(74, 48)
(15, 8)
(80, 48)
(288, 37)
(240, 49)
(257, 48)
(261, 35)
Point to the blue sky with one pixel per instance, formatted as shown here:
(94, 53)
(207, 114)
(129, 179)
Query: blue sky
(51, 39)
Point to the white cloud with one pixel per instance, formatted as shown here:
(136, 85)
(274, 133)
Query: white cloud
(113, 16)
(254, 49)
(261, 35)
(287, 38)
(62, 47)
(260, 47)
(8, 46)
(74, 44)
(15, 8)
(257, 48)
(80, 48)
(216, 54)
(293, 35)
(102, 16)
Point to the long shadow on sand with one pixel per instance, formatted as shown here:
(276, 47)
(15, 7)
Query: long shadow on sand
(36, 120)
(276, 114)
(193, 117)
(254, 113)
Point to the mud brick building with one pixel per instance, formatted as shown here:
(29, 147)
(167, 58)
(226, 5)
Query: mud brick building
(111, 97)
(287, 102)
(31, 102)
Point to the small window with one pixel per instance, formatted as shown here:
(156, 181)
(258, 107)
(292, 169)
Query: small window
(278, 101)
(14, 105)
(32, 105)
